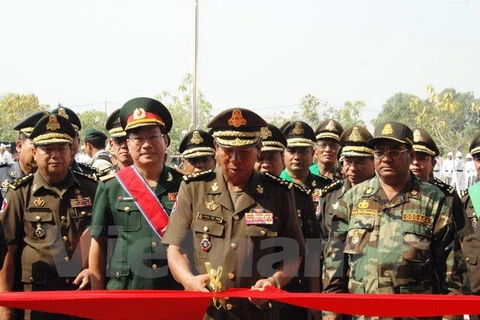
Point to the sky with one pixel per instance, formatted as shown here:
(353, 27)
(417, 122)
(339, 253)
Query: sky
(263, 55)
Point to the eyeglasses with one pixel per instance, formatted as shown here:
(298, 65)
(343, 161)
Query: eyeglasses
(394, 154)
(322, 145)
(140, 140)
(356, 161)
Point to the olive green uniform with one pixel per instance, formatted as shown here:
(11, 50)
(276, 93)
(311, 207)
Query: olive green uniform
(225, 234)
(139, 261)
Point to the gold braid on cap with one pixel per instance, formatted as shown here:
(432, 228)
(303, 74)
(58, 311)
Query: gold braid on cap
(198, 152)
(237, 142)
(300, 142)
(422, 148)
(52, 138)
(475, 150)
(330, 135)
(27, 130)
(239, 134)
(357, 149)
(272, 146)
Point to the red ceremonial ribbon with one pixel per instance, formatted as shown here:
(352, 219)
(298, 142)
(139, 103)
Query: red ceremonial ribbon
(151, 304)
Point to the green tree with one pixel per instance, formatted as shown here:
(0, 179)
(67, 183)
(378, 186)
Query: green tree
(397, 109)
(15, 107)
(180, 106)
(92, 119)
(451, 117)
(313, 111)
(350, 114)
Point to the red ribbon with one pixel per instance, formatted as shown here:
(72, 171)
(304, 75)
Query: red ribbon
(151, 304)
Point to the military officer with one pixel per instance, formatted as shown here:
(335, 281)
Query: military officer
(389, 230)
(135, 204)
(357, 166)
(327, 146)
(118, 141)
(45, 215)
(234, 212)
(198, 152)
(471, 203)
(95, 143)
(25, 163)
(270, 161)
(298, 158)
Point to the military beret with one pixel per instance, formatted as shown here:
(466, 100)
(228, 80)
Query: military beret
(329, 129)
(26, 125)
(475, 145)
(274, 139)
(113, 125)
(299, 134)
(70, 115)
(392, 131)
(237, 127)
(197, 143)
(52, 128)
(354, 142)
(423, 142)
(94, 133)
(140, 112)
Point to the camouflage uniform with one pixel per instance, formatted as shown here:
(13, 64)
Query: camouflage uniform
(394, 246)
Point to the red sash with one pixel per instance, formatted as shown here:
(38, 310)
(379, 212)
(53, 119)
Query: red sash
(148, 203)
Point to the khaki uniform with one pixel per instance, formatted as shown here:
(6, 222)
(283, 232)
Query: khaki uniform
(8, 174)
(226, 234)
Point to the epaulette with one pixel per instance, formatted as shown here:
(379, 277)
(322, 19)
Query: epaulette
(20, 181)
(106, 177)
(198, 176)
(86, 175)
(332, 187)
(463, 193)
(87, 167)
(182, 171)
(103, 172)
(278, 180)
(443, 186)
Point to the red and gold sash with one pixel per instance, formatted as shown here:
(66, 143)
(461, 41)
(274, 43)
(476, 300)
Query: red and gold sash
(148, 203)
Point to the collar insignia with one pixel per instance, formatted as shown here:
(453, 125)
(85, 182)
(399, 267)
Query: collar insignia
(169, 177)
(214, 186)
(260, 189)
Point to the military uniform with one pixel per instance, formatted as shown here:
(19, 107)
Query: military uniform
(46, 222)
(328, 130)
(8, 174)
(139, 260)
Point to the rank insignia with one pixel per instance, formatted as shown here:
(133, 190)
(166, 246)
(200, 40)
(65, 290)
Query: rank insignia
(13, 174)
(39, 202)
(39, 232)
(169, 177)
(214, 186)
(205, 244)
(260, 189)
(5, 183)
(316, 194)
(211, 205)
(172, 196)
(363, 204)
(314, 183)
(414, 192)
(355, 237)
(369, 191)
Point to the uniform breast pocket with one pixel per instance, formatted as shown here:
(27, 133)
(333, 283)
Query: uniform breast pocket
(127, 217)
(260, 231)
(39, 225)
(417, 247)
(81, 212)
(356, 241)
(208, 238)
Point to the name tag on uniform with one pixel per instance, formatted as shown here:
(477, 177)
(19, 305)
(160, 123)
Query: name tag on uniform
(416, 217)
(259, 216)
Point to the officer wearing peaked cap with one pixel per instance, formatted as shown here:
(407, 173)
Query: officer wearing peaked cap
(198, 151)
(298, 158)
(145, 193)
(327, 137)
(230, 210)
(470, 199)
(25, 164)
(398, 207)
(45, 215)
(118, 141)
(271, 161)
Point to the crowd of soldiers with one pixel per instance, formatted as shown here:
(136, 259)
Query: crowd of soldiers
(252, 205)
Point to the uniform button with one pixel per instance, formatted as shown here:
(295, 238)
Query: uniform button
(83, 213)
(38, 218)
(63, 218)
(117, 274)
(235, 217)
(205, 228)
(65, 238)
(467, 259)
(67, 259)
(127, 208)
(154, 244)
(229, 306)
(386, 273)
(262, 232)
(270, 305)
(67, 281)
(233, 246)
(230, 276)
(31, 279)
(154, 266)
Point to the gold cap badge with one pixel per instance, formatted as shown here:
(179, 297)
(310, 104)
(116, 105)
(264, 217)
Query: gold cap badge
(298, 130)
(63, 113)
(330, 126)
(139, 113)
(237, 119)
(387, 129)
(417, 136)
(53, 123)
(355, 135)
(196, 138)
